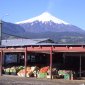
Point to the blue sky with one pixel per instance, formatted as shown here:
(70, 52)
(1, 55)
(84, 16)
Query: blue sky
(71, 11)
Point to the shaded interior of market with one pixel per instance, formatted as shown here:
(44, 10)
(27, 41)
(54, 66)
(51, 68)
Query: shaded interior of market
(60, 61)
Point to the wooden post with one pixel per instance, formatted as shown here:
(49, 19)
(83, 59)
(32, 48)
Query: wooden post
(51, 63)
(25, 57)
(1, 55)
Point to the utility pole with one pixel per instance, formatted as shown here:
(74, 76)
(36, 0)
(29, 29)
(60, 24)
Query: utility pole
(0, 32)
(1, 23)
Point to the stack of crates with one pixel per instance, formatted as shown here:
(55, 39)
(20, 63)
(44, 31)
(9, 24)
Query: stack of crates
(67, 76)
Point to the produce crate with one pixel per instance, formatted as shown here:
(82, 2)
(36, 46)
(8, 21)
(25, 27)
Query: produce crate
(67, 76)
(7, 73)
(13, 73)
(42, 75)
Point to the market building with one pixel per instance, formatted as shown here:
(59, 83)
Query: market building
(40, 53)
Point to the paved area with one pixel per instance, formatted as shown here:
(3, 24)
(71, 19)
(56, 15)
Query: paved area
(14, 80)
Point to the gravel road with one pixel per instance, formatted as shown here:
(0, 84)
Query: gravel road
(14, 80)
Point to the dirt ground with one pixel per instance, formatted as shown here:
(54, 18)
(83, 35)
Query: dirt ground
(14, 80)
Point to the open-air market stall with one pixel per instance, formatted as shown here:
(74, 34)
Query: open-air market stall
(42, 60)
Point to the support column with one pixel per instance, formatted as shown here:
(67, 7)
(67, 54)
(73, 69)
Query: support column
(1, 55)
(80, 68)
(51, 63)
(25, 60)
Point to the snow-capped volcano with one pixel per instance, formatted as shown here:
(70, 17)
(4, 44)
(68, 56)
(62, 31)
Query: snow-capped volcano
(46, 26)
(44, 17)
(47, 23)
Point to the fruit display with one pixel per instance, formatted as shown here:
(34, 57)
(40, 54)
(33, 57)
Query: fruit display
(42, 75)
(66, 74)
(18, 68)
(44, 69)
(29, 71)
(12, 70)
(7, 71)
(43, 72)
(63, 72)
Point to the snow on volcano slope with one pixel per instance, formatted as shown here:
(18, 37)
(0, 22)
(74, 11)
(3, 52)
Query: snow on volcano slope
(44, 17)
